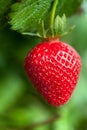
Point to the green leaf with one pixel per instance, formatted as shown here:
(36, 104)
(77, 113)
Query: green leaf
(26, 15)
(68, 7)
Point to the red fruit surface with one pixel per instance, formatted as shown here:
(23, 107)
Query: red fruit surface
(53, 67)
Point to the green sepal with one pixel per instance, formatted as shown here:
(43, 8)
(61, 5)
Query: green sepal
(59, 24)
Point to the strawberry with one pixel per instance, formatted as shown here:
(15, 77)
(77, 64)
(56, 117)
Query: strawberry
(53, 67)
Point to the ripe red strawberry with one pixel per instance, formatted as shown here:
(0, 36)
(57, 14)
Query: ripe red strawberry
(53, 68)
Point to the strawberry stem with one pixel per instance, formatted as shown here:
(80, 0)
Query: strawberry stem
(53, 16)
(43, 30)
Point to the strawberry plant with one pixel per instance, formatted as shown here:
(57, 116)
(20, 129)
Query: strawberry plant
(42, 59)
(53, 66)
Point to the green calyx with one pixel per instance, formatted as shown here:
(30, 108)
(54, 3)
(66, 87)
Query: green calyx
(56, 28)
(59, 25)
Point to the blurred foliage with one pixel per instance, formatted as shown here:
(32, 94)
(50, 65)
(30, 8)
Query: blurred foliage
(68, 8)
(4, 6)
(20, 105)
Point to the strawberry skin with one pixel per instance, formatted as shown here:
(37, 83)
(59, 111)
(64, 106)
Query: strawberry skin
(53, 67)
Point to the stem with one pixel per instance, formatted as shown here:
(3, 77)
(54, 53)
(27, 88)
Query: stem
(43, 30)
(53, 15)
(43, 122)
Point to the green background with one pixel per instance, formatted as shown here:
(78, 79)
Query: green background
(20, 105)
